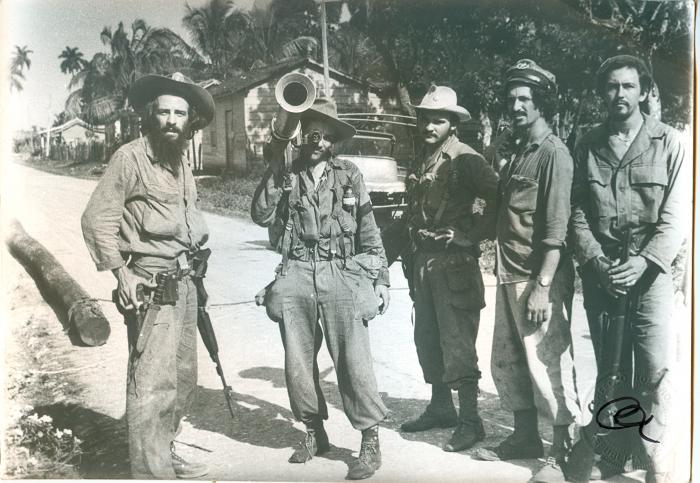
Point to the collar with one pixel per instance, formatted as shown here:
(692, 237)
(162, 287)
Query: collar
(651, 129)
(536, 138)
(450, 147)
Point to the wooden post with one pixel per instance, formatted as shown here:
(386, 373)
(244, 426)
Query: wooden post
(80, 314)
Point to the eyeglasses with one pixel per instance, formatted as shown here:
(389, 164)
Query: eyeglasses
(315, 137)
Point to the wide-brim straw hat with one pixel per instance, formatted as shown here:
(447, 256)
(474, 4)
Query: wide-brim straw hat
(325, 110)
(442, 98)
(148, 87)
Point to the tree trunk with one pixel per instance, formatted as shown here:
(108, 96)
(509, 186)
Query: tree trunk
(79, 314)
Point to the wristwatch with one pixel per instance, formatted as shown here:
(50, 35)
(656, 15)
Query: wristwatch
(544, 281)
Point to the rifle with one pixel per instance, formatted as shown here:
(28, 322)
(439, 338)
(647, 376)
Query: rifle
(582, 457)
(395, 238)
(199, 267)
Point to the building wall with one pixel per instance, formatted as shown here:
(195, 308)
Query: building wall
(261, 106)
(253, 111)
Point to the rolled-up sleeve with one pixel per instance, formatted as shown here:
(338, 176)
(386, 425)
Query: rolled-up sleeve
(555, 181)
(266, 197)
(664, 244)
(102, 218)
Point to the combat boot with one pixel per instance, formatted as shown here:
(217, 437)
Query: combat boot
(470, 429)
(370, 458)
(315, 443)
(524, 443)
(440, 413)
(184, 469)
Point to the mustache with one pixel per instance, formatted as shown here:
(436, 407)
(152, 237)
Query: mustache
(172, 129)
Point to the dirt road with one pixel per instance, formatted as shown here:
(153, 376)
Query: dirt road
(256, 445)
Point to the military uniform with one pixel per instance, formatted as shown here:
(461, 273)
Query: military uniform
(144, 214)
(641, 193)
(447, 284)
(331, 259)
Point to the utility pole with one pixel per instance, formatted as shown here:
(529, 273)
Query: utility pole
(324, 46)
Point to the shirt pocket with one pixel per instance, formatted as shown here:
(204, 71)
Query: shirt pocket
(601, 203)
(522, 199)
(648, 183)
(161, 218)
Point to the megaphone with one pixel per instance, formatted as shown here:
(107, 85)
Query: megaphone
(295, 93)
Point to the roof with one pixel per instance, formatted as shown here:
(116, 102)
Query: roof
(75, 121)
(256, 77)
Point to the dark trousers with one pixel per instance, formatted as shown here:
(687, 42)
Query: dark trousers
(647, 356)
(322, 298)
(449, 295)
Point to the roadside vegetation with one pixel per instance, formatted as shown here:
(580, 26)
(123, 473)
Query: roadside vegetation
(34, 445)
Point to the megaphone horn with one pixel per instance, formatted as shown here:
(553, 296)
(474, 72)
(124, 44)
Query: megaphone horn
(295, 93)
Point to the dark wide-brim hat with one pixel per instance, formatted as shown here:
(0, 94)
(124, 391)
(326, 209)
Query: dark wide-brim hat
(148, 87)
(325, 110)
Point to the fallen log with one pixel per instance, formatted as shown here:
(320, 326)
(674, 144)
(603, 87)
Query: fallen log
(80, 314)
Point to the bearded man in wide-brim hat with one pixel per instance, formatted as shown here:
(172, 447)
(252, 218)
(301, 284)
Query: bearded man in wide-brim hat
(442, 265)
(142, 221)
(332, 280)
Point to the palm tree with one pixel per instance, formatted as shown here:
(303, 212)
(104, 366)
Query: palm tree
(106, 80)
(20, 61)
(278, 31)
(216, 29)
(73, 61)
(102, 86)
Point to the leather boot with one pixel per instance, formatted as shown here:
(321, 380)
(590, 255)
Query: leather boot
(370, 458)
(184, 469)
(440, 413)
(524, 443)
(470, 429)
(315, 443)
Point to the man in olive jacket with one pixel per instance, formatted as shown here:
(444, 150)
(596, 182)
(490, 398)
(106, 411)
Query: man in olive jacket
(627, 186)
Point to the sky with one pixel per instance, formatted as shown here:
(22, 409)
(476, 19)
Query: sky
(47, 27)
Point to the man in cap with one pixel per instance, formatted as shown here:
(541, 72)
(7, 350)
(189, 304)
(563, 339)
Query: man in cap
(628, 195)
(443, 265)
(142, 224)
(333, 279)
(531, 359)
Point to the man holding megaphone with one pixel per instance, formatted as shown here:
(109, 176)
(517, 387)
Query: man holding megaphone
(332, 280)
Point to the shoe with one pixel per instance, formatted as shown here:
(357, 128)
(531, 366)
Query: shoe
(550, 472)
(512, 448)
(315, 443)
(432, 418)
(370, 458)
(184, 469)
(465, 436)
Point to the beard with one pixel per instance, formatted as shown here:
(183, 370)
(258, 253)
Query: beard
(168, 150)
